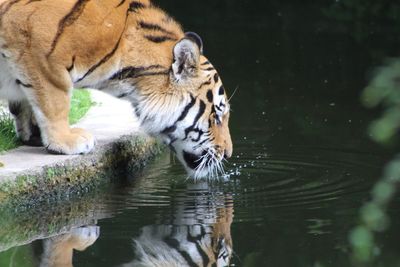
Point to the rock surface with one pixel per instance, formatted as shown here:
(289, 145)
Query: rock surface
(34, 174)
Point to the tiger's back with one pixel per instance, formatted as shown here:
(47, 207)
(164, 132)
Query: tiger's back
(77, 35)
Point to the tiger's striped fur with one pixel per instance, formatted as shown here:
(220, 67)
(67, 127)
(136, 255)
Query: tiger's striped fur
(183, 246)
(128, 48)
(196, 233)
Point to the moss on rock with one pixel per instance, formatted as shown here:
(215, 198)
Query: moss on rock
(127, 155)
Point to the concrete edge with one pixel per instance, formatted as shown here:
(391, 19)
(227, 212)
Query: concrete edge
(80, 174)
(30, 175)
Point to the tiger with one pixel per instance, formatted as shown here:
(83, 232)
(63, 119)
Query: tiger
(130, 49)
(198, 233)
(182, 246)
(58, 250)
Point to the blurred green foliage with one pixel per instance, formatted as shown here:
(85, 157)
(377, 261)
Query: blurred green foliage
(383, 91)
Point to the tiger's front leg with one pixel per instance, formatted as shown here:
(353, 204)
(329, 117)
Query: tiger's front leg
(58, 250)
(50, 101)
(25, 123)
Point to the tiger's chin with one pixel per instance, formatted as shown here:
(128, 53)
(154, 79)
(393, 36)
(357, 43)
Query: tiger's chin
(205, 165)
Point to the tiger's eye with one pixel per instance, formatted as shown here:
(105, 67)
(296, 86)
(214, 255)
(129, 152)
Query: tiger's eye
(221, 90)
(216, 77)
(210, 96)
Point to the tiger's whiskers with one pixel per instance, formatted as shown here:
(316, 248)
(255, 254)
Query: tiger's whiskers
(234, 91)
(209, 161)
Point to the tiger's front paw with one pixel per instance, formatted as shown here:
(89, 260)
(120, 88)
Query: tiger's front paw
(77, 141)
(83, 237)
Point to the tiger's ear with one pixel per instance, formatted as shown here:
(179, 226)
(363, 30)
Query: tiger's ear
(186, 59)
(196, 38)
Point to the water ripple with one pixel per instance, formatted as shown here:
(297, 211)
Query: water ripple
(258, 183)
(306, 178)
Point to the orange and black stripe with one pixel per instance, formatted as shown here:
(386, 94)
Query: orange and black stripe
(103, 60)
(163, 36)
(32, 1)
(107, 56)
(134, 6)
(135, 72)
(154, 27)
(5, 7)
(67, 21)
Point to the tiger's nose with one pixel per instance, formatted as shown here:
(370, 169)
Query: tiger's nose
(228, 149)
(227, 154)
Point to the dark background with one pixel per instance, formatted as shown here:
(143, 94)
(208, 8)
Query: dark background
(299, 62)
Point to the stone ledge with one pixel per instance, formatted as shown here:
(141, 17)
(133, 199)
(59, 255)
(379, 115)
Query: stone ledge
(30, 175)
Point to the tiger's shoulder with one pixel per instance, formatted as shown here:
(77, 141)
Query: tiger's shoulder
(54, 30)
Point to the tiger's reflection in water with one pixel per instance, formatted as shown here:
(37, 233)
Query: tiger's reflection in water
(198, 235)
(193, 227)
(194, 230)
(58, 250)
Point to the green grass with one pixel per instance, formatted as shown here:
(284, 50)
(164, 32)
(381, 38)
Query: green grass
(80, 104)
(8, 138)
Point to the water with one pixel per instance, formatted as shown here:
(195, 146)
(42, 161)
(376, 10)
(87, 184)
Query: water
(302, 167)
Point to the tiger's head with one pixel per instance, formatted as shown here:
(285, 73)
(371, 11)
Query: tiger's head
(185, 103)
(199, 132)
